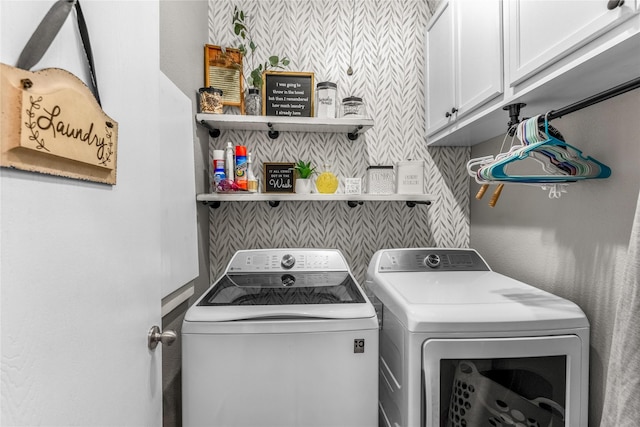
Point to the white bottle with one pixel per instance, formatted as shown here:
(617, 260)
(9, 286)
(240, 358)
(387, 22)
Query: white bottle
(252, 182)
(229, 162)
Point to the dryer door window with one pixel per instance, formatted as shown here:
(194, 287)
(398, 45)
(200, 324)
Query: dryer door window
(523, 382)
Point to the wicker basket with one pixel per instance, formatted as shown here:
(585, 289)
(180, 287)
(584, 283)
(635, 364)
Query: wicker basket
(477, 401)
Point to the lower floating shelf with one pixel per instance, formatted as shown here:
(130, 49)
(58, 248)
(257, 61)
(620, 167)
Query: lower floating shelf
(214, 199)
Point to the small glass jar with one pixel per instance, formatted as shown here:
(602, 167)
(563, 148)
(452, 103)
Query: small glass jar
(210, 100)
(253, 102)
(353, 107)
(326, 100)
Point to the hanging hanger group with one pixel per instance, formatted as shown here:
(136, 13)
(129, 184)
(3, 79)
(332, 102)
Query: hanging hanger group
(559, 162)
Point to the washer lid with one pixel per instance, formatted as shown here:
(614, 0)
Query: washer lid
(293, 294)
(472, 301)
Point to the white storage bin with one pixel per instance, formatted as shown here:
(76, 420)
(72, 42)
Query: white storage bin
(410, 177)
(380, 179)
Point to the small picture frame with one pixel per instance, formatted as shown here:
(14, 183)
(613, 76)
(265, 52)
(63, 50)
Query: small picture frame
(278, 178)
(352, 186)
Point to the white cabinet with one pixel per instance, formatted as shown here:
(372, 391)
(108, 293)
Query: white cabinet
(556, 53)
(463, 61)
(543, 31)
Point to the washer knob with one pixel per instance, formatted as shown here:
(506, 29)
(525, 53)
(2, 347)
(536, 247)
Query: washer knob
(432, 260)
(288, 280)
(288, 261)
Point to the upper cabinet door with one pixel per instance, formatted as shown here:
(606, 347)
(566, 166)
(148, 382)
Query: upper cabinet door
(479, 53)
(440, 68)
(463, 61)
(543, 31)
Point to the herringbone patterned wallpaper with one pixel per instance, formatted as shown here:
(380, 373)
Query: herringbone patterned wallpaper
(388, 64)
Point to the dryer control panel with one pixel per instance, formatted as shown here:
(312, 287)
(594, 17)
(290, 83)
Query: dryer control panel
(404, 260)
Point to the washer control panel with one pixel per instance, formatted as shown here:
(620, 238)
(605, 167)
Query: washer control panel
(405, 260)
(287, 260)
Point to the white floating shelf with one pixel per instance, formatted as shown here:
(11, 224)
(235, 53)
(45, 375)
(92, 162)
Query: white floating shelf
(215, 198)
(351, 127)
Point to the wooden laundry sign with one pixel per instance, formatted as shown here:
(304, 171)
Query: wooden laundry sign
(52, 123)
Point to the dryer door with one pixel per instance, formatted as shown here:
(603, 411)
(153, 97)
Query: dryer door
(523, 382)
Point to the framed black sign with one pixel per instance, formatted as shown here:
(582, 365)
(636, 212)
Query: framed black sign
(288, 94)
(279, 178)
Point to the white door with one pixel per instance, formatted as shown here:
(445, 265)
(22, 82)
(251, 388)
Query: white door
(80, 262)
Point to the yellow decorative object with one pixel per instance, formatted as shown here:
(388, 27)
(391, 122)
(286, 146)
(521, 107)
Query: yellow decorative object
(327, 182)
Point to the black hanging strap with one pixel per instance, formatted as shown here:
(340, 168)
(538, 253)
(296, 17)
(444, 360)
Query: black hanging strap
(48, 30)
(84, 36)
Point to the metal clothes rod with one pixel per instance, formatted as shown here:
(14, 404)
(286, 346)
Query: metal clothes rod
(599, 97)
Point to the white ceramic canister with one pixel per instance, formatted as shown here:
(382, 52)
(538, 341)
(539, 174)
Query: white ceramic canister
(410, 177)
(326, 100)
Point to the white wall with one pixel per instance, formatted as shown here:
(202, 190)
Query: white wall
(572, 246)
(183, 33)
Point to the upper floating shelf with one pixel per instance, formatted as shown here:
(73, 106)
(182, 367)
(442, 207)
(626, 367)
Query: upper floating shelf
(274, 125)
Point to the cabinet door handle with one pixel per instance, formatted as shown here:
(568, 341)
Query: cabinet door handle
(612, 4)
(453, 111)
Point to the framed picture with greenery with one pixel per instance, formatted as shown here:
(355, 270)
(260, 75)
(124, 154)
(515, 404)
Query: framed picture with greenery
(223, 70)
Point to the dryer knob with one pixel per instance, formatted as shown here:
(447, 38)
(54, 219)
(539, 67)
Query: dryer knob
(288, 261)
(432, 260)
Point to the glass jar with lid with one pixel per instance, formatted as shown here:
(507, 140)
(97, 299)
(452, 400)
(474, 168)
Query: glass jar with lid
(326, 100)
(353, 107)
(210, 100)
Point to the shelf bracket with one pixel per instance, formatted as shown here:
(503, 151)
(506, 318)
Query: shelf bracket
(274, 203)
(354, 135)
(213, 132)
(514, 116)
(273, 134)
(215, 204)
(412, 204)
(353, 204)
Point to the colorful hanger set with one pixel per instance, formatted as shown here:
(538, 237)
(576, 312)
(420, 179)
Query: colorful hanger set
(561, 162)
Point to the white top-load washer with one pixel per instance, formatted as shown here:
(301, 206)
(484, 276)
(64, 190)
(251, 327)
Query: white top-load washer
(463, 346)
(285, 337)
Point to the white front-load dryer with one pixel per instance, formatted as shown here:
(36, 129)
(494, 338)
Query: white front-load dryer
(284, 338)
(463, 346)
